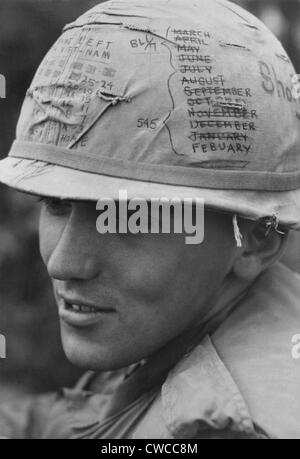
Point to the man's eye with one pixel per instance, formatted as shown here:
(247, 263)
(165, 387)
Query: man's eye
(56, 206)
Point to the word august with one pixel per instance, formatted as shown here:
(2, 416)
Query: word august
(159, 215)
(2, 87)
(2, 347)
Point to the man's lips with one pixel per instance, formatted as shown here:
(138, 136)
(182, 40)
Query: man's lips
(80, 313)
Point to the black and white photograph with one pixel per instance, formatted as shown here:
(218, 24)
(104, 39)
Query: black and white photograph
(149, 222)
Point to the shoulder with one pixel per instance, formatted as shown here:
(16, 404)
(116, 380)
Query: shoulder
(40, 416)
(255, 344)
(24, 417)
(242, 382)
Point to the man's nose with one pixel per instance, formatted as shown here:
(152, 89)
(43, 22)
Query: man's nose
(77, 254)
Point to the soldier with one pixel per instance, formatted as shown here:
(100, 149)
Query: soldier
(166, 99)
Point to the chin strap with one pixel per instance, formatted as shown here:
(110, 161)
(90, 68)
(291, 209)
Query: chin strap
(237, 233)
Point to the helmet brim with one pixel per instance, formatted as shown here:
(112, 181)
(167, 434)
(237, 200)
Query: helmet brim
(49, 180)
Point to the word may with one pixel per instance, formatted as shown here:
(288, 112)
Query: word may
(296, 347)
(154, 216)
(2, 347)
(2, 87)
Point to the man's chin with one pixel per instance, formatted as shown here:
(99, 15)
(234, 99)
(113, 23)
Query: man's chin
(91, 356)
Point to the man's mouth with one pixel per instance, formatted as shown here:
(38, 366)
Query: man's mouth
(81, 308)
(78, 314)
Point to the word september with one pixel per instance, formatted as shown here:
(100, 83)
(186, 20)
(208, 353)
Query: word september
(155, 216)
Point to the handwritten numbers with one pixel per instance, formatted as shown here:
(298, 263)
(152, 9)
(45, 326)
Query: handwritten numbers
(148, 123)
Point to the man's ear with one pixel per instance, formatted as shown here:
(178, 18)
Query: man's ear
(261, 249)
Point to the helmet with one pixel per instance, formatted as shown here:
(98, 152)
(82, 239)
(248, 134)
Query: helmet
(172, 98)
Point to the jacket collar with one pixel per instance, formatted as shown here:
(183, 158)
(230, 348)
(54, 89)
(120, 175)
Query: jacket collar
(200, 395)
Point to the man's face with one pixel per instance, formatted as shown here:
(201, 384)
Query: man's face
(121, 297)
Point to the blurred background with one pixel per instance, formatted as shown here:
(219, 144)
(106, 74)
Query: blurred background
(28, 28)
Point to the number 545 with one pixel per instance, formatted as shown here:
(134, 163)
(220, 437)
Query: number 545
(148, 123)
